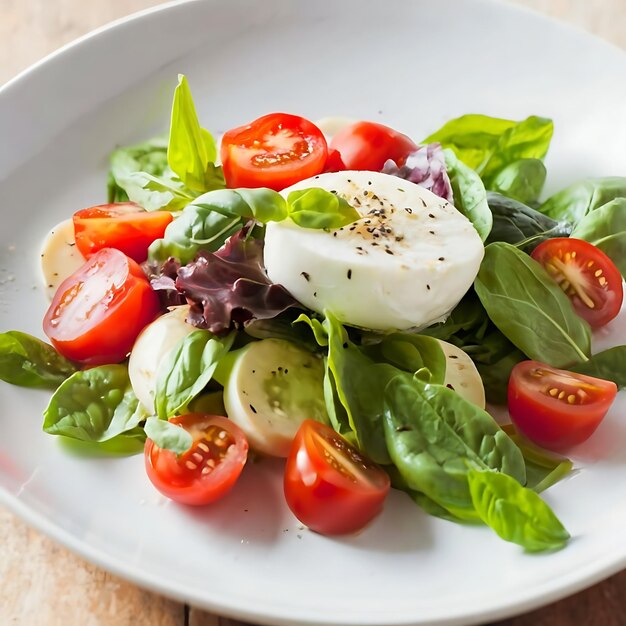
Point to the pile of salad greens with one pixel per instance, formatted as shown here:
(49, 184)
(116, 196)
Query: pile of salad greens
(384, 393)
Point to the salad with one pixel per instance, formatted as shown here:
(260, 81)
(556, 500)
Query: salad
(348, 300)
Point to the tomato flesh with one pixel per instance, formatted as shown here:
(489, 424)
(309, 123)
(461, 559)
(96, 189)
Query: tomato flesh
(555, 408)
(125, 226)
(586, 275)
(98, 311)
(368, 145)
(275, 151)
(329, 485)
(207, 471)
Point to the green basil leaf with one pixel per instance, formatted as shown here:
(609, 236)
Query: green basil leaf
(530, 309)
(319, 330)
(470, 197)
(488, 144)
(521, 180)
(262, 205)
(168, 436)
(581, 198)
(94, 405)
(197, 228)
(191, 151)
(186, 371)
(609, 364)
(432, 433)
(468, 315)
(605, 228)
(29, 362)
(318, 208)
(515, 513)
(125, 444)
(521, 226)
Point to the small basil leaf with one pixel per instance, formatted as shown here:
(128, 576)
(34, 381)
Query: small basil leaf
(318, 208)
(515, 513)
(94, 405)
(262, 205)
(186, 371)
(521, 180)
(470, 197)
(191, 150)
(29, 362)
(168, 436)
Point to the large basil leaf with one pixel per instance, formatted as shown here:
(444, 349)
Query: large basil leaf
(515, 513)
(29, 362)
(522, 180)
(470, 197)
(94, 405)
(530, 309)
(187, 370)
(575, 201)
(609, 364)
(518, 224)
(191, 151)
(605, 227)
(489, 144)
(432, 433)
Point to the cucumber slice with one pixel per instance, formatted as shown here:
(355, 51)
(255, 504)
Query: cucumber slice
(272, 387)
(462, 375)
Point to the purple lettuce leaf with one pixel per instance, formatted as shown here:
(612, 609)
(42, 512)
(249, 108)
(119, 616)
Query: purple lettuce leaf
(230, 288)
(425, 167)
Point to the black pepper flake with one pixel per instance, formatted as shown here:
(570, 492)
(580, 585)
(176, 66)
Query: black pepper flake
(333, 191)
(376, 235)
(374, 243)
(453, 356)
(358, 248)
(252, 409)
(399, 189)
(399, 238)
(345, 345)
(349, 180)
(306, 276)
(71, 245)
(352, 227)
(428, 287)
(286, 370)
(431, 216)
(389, 251)
(254, 371)
(449, 386)
(315, 294)
(408, 209)
(349, 274)
(335, 234)
(365, 192)
(423, 202)
(369, 182)
(432, 232)
(442, 258)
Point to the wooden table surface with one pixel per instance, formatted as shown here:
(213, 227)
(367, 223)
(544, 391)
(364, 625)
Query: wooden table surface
(41, 583)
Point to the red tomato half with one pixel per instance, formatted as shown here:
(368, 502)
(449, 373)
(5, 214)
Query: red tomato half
(97, 313)
(554, 408)
(367, 145)
(125, 226)
(586, 275)
(329, 485)
(208, 470)
(275, 151)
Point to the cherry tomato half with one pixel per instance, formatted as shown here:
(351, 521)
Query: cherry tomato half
(329, 485)
(208, 470)
(554, 408)
(98, 311)
(125, 226)
(275, 151)
(367, 145)
(586, 275)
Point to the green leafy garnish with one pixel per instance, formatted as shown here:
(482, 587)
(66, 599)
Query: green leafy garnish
(167, 435)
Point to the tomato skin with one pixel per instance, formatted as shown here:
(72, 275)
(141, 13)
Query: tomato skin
(368, 145)
(322, 497)
(98, 311)
(125, 226)
(173, 478)
(586, 274)
(546, 417)
(275, 151)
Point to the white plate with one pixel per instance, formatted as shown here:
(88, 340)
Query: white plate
(410, 64)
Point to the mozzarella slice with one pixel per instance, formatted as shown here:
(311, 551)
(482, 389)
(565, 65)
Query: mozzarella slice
(153, 344)
(405, 264)
(60, 257)
(462, 375)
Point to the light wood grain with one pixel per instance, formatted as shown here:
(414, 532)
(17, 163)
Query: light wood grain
(42, 583)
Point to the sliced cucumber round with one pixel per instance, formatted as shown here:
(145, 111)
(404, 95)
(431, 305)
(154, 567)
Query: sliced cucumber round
(272, 388)
(462, 375)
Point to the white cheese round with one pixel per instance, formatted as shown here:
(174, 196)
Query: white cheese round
(405, 264)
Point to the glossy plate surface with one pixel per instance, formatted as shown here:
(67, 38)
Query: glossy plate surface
(412, 65)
